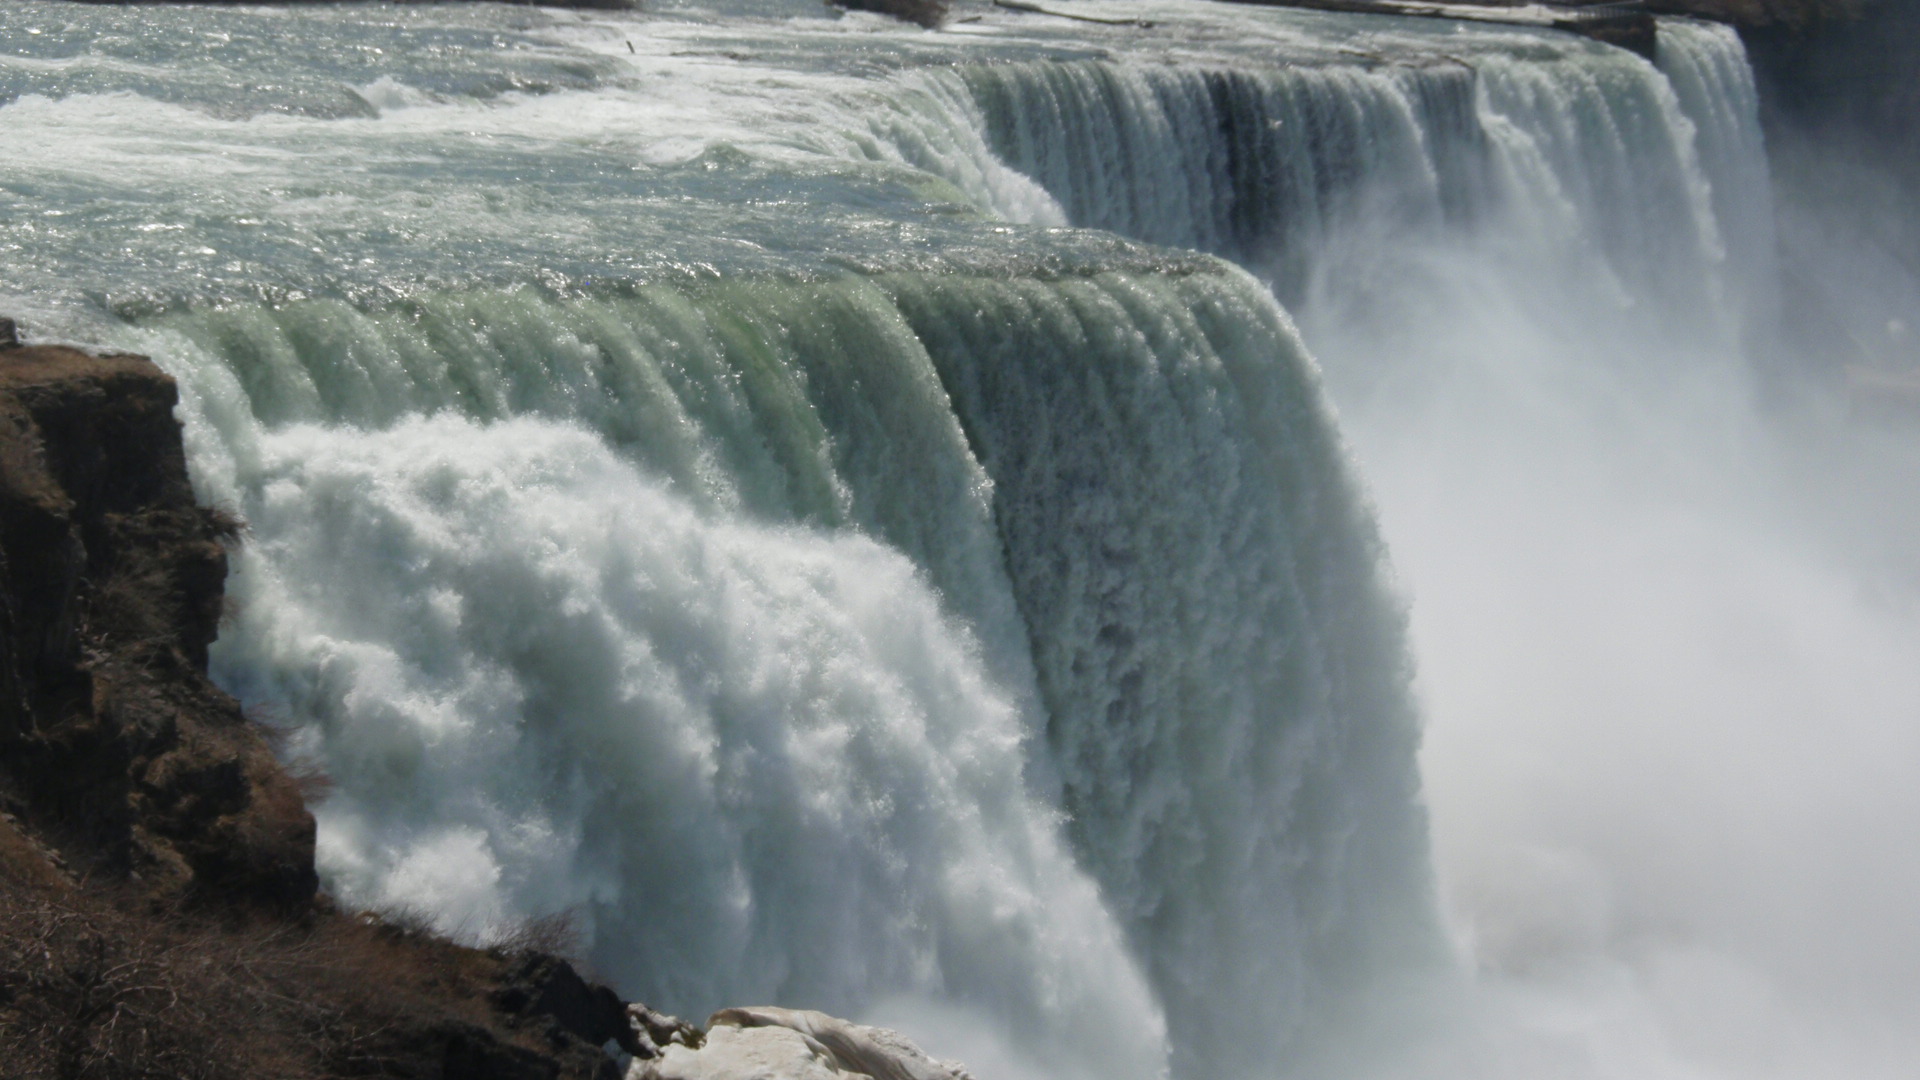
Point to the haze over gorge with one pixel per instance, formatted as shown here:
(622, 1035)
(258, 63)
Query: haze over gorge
(1230, 543)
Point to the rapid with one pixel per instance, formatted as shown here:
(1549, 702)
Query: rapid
(1269, 544)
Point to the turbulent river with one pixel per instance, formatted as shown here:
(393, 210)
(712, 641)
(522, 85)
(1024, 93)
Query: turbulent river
(857, 517)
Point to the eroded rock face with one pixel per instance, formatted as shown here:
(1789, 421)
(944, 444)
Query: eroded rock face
(768, 1043)
(113, 742)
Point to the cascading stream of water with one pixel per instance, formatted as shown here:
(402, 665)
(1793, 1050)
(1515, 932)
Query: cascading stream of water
(1283, 168)
(794, 763)
(1236, 775)
(744, 479)
(703, 636)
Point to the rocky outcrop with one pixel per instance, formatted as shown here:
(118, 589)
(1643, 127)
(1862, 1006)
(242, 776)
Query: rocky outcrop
(575, 1016)
(1841, 109)
(113, 742)
(928, 13)
(767, 1043)
(1853, 70)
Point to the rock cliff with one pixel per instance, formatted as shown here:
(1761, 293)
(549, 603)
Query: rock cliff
(158, 912)
(113, 743)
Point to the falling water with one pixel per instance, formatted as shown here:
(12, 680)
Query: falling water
(819, 502)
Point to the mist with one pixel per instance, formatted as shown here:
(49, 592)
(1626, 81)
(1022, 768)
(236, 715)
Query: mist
(1665, 606)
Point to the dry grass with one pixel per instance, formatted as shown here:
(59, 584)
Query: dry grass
(558, 935)
(97, 985)
(87, 992)
(227, 523)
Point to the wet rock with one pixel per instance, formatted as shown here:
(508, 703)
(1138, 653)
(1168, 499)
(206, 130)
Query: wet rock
(1754, 13)
(928, 13)
(651, 1032)
(574, 1009)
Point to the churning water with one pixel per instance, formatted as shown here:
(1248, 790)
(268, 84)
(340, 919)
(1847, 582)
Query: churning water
(854, 516)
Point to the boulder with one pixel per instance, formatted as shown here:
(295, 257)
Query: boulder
(928, 13)
(768, 1043)
(649, 1031)
(540, 985)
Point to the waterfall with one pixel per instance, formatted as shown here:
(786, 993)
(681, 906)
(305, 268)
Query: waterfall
(1221, 667)
(1636, 171)
(828, 548)
(1707, 67)
(768, 624)
(1256, 165)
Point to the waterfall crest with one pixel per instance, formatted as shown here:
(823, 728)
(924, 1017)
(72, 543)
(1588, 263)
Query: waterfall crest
(1639, 172)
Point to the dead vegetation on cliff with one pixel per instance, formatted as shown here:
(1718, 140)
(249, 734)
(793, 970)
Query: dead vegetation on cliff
(97, 985)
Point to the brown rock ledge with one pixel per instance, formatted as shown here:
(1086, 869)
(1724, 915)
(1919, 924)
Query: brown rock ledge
(113, 742)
